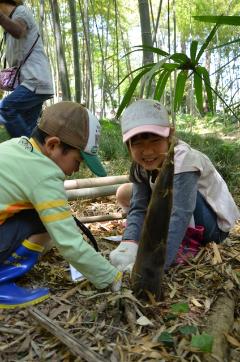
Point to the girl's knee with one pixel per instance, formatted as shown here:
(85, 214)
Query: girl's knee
(124, 194)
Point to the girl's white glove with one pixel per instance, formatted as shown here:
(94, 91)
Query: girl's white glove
(124, 255)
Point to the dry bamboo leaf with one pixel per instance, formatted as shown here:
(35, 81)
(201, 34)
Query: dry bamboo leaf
(207, 304)
(55, 312)
(195, 302)
(144, 321)
(217, 257)
(173, 290)
(233, 341)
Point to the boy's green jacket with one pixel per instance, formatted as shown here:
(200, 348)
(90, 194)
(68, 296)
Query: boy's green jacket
(29, 179)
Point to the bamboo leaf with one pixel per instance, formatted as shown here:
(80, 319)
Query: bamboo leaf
(148, 83)
(160, 86)
(198, 89)
(186, 330)
(205, 75)
(226, 20)
(148, 77)
(226, 44)
(180, 85)
(170, 66)
(179, 308)
(180, 58)
(203, 342)
(166, 338)
(207, 41)
(151, 49)
(155, 68)
(128, 95)
(193, 50)
(146, 66)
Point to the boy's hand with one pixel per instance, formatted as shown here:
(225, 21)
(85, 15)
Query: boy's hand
(124, 254)
(117, 283)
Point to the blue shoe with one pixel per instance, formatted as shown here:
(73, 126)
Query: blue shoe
(20, 262)
(13, 296)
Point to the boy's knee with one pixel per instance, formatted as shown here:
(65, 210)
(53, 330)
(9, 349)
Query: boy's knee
(123, 195)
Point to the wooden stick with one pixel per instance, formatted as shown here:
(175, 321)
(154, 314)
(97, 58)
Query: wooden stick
(92, 192)
(93, 182)
(99, 218)
(77, 348)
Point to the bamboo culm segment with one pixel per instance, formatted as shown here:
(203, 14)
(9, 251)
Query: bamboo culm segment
(148, 268)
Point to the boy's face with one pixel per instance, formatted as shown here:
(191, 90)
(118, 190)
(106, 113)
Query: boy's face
(69, 160)
(148, 150)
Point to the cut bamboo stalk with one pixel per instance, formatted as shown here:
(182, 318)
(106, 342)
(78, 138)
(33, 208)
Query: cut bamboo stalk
(92, 192)
(99, 218)
(93, 182)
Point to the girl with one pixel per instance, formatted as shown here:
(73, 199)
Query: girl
(203, 209)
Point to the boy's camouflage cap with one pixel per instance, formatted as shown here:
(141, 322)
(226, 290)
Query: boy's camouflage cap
(76, 126)
(145, 116)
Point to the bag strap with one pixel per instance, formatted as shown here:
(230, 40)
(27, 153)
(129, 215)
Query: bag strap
(87, 232)
(30, 51)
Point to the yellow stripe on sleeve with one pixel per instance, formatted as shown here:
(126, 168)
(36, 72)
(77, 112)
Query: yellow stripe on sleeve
(50, 204)
(56, 217)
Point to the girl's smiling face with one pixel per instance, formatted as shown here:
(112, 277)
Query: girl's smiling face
(148, 150)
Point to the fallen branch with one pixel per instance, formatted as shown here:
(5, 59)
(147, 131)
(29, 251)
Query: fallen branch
(99, 218)
(92, 192)
(219, 324)
(77, 348)
(93, 182)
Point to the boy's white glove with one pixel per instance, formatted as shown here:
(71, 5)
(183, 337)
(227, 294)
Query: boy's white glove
(124, 255)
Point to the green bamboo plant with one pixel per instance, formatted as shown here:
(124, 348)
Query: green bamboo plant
(185, 66)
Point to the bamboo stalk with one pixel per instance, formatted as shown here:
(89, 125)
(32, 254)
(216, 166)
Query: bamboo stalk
(92, 192)
(93, 182)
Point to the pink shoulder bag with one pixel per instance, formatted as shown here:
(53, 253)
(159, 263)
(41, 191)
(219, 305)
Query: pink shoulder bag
(9, 77)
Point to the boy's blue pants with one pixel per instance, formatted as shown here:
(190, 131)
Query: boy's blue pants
(18, 228)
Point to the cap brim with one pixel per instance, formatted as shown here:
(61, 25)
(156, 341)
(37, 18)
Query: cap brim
(163, 131)
(94, 164)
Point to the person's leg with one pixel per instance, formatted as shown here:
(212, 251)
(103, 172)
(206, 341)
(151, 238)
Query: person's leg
(206, 230)
(10, 112)
(206, 217)
(20, 110)
(22, 239)
(18, 228)
(32, 114)
(123, 196)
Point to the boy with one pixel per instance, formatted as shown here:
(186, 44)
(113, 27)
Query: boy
(33, 202)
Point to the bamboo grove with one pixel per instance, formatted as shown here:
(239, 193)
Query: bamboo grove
(90, 47)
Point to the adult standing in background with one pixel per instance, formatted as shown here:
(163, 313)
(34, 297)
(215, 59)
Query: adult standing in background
(21, 108)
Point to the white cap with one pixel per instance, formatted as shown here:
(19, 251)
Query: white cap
(145, 116)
